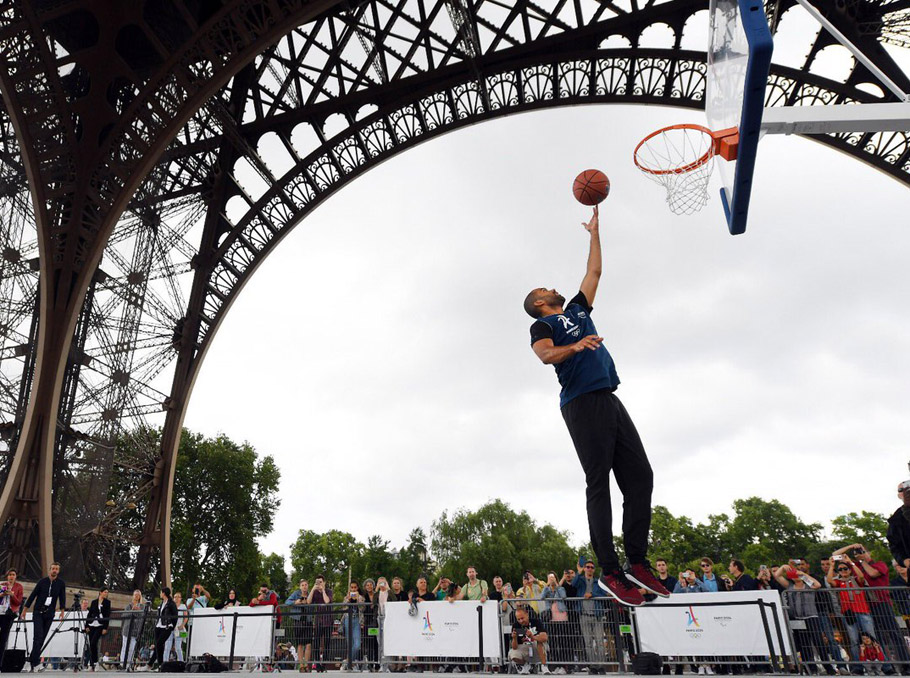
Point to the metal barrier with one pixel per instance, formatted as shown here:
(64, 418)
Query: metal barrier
(596, 635)
(827, 626)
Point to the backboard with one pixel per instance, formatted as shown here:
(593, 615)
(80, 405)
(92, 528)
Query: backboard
(739, 59)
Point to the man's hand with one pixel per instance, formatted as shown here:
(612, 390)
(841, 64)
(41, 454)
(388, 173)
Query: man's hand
(594, 224)
(592, 342)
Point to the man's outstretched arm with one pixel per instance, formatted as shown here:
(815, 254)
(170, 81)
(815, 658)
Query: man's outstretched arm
(595, 266)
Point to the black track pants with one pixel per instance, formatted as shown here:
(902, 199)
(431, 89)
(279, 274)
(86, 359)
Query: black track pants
(605, 439)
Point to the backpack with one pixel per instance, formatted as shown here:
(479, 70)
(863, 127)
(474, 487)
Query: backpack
(646, 664)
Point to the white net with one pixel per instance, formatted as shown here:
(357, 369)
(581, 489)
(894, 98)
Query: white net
(681, 160)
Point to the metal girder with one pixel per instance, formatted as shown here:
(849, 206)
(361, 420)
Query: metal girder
(197, 164)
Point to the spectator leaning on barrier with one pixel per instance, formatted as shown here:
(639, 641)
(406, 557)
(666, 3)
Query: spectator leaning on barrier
(352, 620)
(267, 598)
(11, 595)
(528, 636)
(899, 527)
(801, 586)
(422, 591)
(764, 581)
(741, 580)
(176, 639)
(323, 619)
(199, 597)
(231, 601)
(475, 589)
(446, 589)
(590, 617)
(568, 576)
(398, 589)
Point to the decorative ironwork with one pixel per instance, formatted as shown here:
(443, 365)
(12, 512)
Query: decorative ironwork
(212, 138)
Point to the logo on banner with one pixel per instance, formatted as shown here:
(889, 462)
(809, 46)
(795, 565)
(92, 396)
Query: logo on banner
(427, 626)
(723, 620)
(221, 630)
(692, 626)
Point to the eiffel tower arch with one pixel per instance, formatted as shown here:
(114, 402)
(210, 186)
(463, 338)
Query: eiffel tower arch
(154, 153)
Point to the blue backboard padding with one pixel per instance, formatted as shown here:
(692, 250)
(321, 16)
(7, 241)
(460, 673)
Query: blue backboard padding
(761, 45)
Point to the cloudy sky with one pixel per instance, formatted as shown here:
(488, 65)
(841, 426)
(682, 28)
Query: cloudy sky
(381, 353)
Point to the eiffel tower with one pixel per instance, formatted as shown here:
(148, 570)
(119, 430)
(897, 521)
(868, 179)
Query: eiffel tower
(153, 152)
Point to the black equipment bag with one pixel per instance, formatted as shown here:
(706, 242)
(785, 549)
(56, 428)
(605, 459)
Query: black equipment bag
(13, 661)
(646, 664)
(173, 667)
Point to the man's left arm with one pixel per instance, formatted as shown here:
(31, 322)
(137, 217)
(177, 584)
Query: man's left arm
(595, 265)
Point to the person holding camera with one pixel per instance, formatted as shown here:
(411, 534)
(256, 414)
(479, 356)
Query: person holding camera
(531, 590)
(689, 583)
(352, 621)
(199, 597)
(528, 636)
(845, 575)
(11, 596)
(48, 595)
(96, 623)
(320, 598)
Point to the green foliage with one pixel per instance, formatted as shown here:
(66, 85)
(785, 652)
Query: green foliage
(274, 575)
(497, 540)
(331, 554)
(224, 498)
(866, 528)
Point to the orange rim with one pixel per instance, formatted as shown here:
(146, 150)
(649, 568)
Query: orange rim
(695, 164)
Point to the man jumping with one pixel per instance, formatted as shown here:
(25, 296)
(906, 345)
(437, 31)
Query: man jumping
(602, 431)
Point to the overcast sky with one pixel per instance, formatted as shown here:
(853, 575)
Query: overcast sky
(381, 353)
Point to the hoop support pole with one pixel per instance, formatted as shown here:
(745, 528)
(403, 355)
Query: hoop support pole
(885, 117)
(855, 51)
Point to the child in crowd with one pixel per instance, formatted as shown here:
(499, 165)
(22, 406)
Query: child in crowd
(871, 651)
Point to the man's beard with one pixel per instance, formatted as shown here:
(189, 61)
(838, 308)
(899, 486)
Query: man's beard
(560, 300)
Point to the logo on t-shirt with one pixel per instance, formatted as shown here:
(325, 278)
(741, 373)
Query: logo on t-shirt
(566, 323)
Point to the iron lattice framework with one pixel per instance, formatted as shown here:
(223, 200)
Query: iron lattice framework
(152, 155)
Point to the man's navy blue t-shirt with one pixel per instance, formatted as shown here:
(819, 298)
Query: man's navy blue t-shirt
(583, 372)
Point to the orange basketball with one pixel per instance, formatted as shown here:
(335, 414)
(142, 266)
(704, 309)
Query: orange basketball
(591, 187)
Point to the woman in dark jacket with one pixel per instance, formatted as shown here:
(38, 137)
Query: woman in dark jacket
(164, 626)
(230, 601)
(99, 615)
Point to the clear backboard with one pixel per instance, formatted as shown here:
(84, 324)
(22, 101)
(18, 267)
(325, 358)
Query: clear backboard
(739, 59)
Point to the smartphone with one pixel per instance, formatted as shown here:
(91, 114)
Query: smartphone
(582, 559)
(837, 557)
(797, 561)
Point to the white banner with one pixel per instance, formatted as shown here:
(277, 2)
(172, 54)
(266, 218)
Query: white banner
(68, 630)
(694, 629)
(441, 629)
(212, 631)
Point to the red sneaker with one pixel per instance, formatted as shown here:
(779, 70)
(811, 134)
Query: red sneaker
(616, 584)
(641, 574)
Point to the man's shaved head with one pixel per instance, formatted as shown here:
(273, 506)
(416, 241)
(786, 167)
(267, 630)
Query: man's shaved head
(542, 294)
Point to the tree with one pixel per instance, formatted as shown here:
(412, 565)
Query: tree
(224, 498)
(374, 560)
(413, 559)
(331, 554)
(866, 528)
(497, 540)
(274, 575)
(768, 531)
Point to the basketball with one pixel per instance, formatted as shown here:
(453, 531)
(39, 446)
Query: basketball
(591, 187)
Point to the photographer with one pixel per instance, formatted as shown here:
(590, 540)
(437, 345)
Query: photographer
(11, 595)
(847, 576)
(528, 636)
(321, 598)
(689, 583)
(99, 616)
(48, 595)
(899, 527)
(199, 597)
(352, 621)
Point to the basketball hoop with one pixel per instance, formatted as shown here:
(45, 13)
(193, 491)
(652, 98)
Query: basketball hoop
(681, 158)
